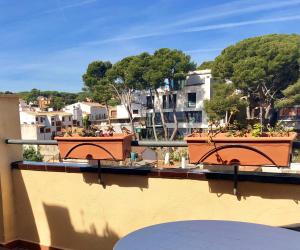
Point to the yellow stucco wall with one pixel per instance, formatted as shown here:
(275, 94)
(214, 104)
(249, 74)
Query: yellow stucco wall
(69, 210)
(9, 128)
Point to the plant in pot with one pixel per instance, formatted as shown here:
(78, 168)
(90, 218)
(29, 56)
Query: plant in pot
(251, 146)
(93, 143)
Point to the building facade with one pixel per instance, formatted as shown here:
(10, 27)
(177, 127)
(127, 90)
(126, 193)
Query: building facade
(44, 125)
(187, 100)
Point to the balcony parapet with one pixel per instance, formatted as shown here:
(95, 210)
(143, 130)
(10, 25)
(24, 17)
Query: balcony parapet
(192, 174)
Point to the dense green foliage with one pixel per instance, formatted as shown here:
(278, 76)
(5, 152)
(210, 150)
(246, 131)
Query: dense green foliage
(206, 65)
(291, 96)
(261, 67)
(96, 84)
(58, 99)
(31, 154)
(225, 101)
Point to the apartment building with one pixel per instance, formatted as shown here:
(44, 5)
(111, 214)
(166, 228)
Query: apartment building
(44, 125)
(188, 101)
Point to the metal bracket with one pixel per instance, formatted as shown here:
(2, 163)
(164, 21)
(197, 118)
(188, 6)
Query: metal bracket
(235, 178)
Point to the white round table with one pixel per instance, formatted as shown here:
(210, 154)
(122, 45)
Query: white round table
(210, 235)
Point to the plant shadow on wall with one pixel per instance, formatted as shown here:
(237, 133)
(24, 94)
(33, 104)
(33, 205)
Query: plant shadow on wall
(249, 189)
(140, 182)
(63, 233)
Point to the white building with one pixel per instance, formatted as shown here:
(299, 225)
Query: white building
(188, 100)
(95, 111)
(44, 125)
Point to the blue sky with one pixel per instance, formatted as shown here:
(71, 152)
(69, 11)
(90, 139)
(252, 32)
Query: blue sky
(48, 44)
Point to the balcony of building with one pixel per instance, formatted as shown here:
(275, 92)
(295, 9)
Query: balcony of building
(65, 206)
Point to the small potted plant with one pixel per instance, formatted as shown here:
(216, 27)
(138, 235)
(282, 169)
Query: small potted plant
(250, 146)
(92, 143)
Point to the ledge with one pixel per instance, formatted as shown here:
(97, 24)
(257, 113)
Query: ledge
(193, 174)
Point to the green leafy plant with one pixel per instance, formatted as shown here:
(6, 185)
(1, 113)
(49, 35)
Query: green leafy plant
(280, 129)
(32, 154)
(257, 130)
(177, 154)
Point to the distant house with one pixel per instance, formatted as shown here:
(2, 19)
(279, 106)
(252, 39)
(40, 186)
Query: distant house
(44, 125)
(43, 102)
(95, 111)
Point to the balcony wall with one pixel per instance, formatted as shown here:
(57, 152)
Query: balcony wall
(71, 210)
(65, 207)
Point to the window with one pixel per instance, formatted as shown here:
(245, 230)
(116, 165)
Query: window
(194, 116)
(42, 130)
(135, 111)
(180, 116)
(150, 102)
(69, 118)
(48, 130)
(36, 119)
(169, 117)
(52, 118)
(191, 100)
(164, 101)
(172, 101)
(52, 124)
(63, 119)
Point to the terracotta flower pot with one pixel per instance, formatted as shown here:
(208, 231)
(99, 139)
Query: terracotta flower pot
(247, 151)
(116, 147)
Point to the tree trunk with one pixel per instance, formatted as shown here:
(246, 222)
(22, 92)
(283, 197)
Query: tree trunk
(174, 133)
(153, 117)
(107, 111)
(131, 120)
(162, 116)
(248, 112)
(268, 110)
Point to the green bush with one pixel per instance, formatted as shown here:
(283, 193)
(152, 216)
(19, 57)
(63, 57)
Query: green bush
(31, 154)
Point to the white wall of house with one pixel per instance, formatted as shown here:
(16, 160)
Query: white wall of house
(138, 110)
(94, 111)
(47, 124)
(33, 132)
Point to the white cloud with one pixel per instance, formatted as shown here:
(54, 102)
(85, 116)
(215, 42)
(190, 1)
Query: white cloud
(195, 29)
(230, 9)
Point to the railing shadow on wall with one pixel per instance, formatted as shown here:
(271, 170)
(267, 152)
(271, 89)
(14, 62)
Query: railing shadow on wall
(110, 180)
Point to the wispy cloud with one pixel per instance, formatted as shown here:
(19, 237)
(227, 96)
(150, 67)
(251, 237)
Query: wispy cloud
(69, 6)
(196, 29)
(230, 9)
